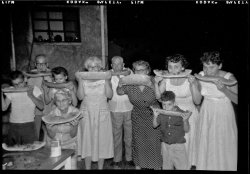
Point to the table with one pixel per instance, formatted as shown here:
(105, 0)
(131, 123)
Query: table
(39, 160)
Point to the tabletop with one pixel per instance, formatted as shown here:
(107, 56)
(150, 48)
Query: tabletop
(35, 160)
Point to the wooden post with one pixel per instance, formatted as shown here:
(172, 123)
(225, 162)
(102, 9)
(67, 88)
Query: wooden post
(29, 38)
(13, 58)
(103, 36)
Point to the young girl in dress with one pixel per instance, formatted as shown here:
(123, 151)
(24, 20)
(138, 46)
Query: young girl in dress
(60, 75)
(187, 96)
(216, 128)
(95, 137)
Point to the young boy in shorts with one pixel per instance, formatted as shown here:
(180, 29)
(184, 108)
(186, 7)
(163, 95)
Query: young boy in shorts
(173, 129)
(23, 104)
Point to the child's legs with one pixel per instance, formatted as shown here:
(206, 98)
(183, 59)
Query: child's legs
(38, 121)
(180, 157)
(87, 161)
(128, 135)
(100, 163)
(166, 155)
(117, 120)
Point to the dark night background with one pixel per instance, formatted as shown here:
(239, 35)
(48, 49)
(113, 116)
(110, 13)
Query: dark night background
(158, 29)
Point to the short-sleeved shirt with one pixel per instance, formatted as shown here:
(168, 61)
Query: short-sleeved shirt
(22, 107)
(119, 103)
(172, 128)
(37, 81)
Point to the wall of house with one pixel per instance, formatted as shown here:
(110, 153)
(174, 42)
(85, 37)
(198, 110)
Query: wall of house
(69, 55)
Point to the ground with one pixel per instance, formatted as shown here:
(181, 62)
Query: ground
(107, 165)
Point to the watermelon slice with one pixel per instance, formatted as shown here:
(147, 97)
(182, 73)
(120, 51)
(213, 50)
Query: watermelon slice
(137, 79)
(167, 113)
(26, 147)
(37, 74)
(94, 75)
(166, 74)
(51, 119)
(212, 79)
(11, 89)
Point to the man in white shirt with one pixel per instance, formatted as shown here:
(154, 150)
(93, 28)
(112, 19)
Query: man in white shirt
(120, 108)
(41, 65)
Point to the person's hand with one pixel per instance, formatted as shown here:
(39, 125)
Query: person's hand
(191, 79)
(49, 126)
(30, 91)
(126, 72)
(109, 79)
(158, 79)
(77, 75)
(74, 122)
(5, 85)
(44, 87)
(220, 86)
(71, 86)
(120, 82)
(186, 115)
(156, 112)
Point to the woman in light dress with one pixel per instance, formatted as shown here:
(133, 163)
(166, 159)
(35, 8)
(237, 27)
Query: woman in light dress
(188, 95)
(216, 128)
(95, 137)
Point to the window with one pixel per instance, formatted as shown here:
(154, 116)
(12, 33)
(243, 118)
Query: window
(56, 25)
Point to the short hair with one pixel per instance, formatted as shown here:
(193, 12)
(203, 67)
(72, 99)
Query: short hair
(59, 70)
(168, 96)
(118, 58)
(41, 55)
(63, 93)
(97, 61)
(142, 63)
(177, 58)
(212, 56)
(16, 74)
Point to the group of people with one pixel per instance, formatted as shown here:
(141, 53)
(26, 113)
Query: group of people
(204, 137)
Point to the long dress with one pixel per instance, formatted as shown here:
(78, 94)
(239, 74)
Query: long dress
(146, 145)
(185, 101)
(216, 130)
(95, 138)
